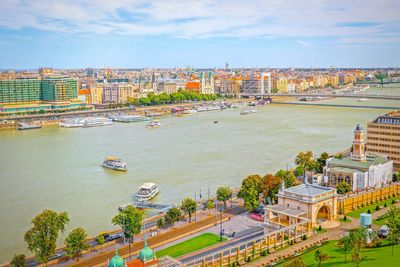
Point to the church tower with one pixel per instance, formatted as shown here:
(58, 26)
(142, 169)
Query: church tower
(359, 144)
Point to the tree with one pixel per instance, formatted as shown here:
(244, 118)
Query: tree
(343, 188)
(160, 223)
(130, 220)
(100, 240)
(306, 160)
(250, 191)
(223, 194)
(209, 205)
(172, 215)
(393, 222)
(288, 177)
(345, 244)
(19, 260)
(42, 237)
(320, 257)
(76, 242)
(358, 238)
(321, 162)
(270, 186)
(189, 206)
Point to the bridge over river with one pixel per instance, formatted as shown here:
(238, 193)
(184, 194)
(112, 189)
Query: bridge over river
(347, 95)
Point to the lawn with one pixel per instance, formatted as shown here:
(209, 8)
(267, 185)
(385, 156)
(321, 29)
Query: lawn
(190, 245)
(381, 256)
(356, 213)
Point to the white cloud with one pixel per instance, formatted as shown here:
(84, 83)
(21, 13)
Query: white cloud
(208, 18)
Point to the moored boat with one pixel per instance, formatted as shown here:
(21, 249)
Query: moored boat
(153, 124)
(72, 123)
(146, 192)
(26, 126)
(248, 111)
(114, 163)
(189, 111)
(97, 121)
(130, 118)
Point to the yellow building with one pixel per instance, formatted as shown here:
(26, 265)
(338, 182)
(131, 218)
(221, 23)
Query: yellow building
(95, 96)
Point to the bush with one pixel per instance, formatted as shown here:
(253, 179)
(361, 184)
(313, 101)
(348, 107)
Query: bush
(345, 218)
(248, 259)
(369, 211)
(385, 205)
(263, 253)
(393, 201)
(304, 237)
(377, 207)
(319, 228)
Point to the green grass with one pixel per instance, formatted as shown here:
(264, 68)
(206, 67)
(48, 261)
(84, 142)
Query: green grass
(381, 220)
(323, 230)
(345, 221)
(356, 213)
(190, 245)
(381, 256)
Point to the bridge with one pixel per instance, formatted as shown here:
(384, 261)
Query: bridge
(330, 95)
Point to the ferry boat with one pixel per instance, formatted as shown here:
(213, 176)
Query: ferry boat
(97, 121)
(114, 163)
(26, 126)
(146, 192)
(130, 118)
(72, 123)
(248, 111)
(153, 124)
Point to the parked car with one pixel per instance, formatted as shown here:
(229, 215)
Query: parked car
(114, 237)
(384, 231)
(55, 256)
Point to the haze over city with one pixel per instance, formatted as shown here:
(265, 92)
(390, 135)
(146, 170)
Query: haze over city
(256, 33)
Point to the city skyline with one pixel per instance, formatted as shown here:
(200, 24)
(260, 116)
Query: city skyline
(136, 34)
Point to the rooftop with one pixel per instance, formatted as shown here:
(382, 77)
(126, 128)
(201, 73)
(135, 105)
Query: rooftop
(390, 118)
(308, 190)
(347, 162)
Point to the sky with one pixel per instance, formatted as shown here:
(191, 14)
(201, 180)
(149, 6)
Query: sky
(199, 33)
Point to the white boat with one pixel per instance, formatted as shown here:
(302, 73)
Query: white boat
(363, 100)
(72, 123)
(26, 126)
(114, 163)
(189, 111)
(208, 108)
(130, 118)
(146, 192)
(153, 124)
(97, 121)
(248, 111)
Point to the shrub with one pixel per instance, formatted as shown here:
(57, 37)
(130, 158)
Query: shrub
(385, 205)
(377, 207)
(320, 228)
(369, 211)
(393, 201)
(345, 218)
(304, 237)
(248, 259)
(263, 253)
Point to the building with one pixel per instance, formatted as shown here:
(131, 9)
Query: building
(192, 87)
(360, 170)
(119, 93)
(167, 86)
(252, 85)
(95, 96)
(305, 202)
(207, 84)
(383, 137)
(59, 89)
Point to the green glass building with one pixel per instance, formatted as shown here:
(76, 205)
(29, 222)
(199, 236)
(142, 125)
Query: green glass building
(33, 90)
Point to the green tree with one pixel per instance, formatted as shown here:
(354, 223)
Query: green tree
(100, 239)
(250, 191)
(223, 194)
(42, 237)
(358, 238)
(19, 260)
(345, 243)
(321, 162)
(288, 177)
(189, 206)
(306, 160)
(76, 242)
(210, 205)
(160, 223)
(320, 257)
(343, 188)
(296, 262)
(172, 215)
(130, 220)
(393, 222)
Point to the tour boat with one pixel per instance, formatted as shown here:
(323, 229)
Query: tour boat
(153, 124)
(26, 126)
(114, 163)
(248, 111)
(146, 192)
(72, 123)
(130, 118)
(97, 121)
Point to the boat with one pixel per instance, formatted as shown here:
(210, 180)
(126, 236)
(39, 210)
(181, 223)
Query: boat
(26, 126)
(97, 121)
(72, 123)
(208, 108)
(215, 122)
(146, 192)
(153, 124)
(114, 163)
(363, 100)
(248, 111)
(130, 118)
(189, 111)
(177, 109)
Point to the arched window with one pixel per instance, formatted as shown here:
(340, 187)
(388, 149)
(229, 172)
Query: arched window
(340, 179)
(348, 179)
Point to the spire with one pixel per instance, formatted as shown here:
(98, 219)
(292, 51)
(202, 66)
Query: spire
(145, 239)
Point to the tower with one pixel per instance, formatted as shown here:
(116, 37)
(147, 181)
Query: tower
(359, 144)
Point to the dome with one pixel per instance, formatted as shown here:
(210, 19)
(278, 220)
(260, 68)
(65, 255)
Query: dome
(359, 127)
(146, 254)
(116, 261)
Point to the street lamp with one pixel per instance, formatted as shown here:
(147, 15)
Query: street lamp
(220, 230)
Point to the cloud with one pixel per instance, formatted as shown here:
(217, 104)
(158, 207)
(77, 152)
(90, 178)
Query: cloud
(304, 43)
(208, 18)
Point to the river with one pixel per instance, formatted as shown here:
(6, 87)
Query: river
(58, 168)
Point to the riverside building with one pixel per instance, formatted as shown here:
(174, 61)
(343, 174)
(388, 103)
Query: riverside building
(360, 170)
(383, 137)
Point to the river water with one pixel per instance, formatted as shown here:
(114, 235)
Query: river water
(58, 168)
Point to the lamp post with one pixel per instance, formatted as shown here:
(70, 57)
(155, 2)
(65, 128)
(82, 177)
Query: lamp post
(220, 230)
